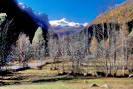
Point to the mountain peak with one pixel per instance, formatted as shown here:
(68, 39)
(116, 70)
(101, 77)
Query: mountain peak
(65, 26)
(65, 22)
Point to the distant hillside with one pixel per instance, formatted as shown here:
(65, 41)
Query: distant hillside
(119, 13)
(115, 23)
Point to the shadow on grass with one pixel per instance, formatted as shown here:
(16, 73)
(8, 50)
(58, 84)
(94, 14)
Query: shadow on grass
(44, 80)
(6, 73)
(8, 83)
(9, 75)
(60, 78)
(15, 78)
(53, 79)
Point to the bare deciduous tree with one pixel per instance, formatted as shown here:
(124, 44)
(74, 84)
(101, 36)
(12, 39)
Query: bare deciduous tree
(22, 50)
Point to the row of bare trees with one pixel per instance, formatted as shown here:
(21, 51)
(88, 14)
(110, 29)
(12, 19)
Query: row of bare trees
(109, 47)
(113, 51)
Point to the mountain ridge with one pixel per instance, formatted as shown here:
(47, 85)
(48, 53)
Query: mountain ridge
(64, 26)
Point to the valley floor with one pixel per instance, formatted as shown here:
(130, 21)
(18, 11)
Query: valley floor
(46, 78)
(112, 83)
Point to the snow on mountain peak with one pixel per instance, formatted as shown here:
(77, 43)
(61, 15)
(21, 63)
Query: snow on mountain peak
(65, 22)
(85, 24)
(64, 26)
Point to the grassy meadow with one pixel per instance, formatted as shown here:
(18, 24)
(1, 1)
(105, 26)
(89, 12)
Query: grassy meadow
(113, 83)
(50, 79)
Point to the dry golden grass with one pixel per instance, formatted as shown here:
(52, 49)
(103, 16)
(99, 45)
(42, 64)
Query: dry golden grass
(48, 79)
(113, 83)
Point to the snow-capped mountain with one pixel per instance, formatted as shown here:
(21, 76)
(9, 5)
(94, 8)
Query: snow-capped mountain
(40, 18)
(65, 26)
(59, 26)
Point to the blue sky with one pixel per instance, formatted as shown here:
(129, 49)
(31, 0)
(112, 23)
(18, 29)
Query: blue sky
(74, 10)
